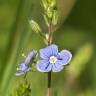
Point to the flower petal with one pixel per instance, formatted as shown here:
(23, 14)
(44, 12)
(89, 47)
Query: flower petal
(23, 67)
(45, 53)
(30, 56)
(44, 66)
(51, 50)
(18, 73)
(65, 57)
(57, 67)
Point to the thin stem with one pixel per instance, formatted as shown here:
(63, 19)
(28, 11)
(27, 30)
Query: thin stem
(25, 77)
(49, 83)
(49, 73)
(49, 34)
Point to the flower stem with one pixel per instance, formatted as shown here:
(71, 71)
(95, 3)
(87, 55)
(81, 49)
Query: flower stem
(49, 42)
(49, 34)
(49, 83)
(25, 78)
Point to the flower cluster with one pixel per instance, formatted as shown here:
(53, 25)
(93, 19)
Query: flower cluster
(25, 66)
(52, 60)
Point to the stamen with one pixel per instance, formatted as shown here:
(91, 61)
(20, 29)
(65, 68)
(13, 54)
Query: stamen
(53, 59)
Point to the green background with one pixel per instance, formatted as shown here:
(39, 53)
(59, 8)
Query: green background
(76, 32)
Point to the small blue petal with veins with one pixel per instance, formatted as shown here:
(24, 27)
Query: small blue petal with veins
(52, 60)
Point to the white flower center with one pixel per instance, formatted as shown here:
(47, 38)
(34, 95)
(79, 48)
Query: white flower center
(53, 59)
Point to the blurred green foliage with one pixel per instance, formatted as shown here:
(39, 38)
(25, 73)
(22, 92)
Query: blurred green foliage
(76, 32)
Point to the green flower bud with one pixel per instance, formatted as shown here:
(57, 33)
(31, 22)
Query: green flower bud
(35, 26)
(51, 3)
(45, 4)
(49, 12)
(55, 17)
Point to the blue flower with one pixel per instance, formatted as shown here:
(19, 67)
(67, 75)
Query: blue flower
(22, 68)
(52, 60)
(25, 66)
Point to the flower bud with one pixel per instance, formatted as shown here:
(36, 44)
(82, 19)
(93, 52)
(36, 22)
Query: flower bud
(35, 26)
(55, 17)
